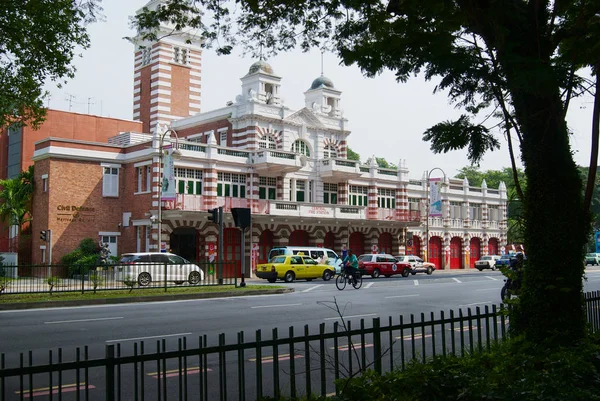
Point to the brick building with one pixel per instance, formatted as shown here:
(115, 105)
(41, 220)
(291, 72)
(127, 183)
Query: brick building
(288, 166)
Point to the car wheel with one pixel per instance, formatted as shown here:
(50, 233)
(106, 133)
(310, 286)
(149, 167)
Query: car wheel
(480, 269)
(144, 279)
(413, 273)
(376, 273)
(494, 268)
(178, 282)
(327, 275)
(289, 277)
(194, 278)
(405, 272)
(271, 280)
(429, 271)
(386, 276)
(309, 279)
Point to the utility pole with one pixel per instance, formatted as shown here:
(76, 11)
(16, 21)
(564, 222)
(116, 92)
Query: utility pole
(70, 100)
(89, 102)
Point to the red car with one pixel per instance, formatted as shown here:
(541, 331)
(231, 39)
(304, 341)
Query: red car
(376, 265)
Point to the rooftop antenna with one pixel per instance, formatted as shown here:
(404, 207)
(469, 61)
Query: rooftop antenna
(70, 100)
(89, 103)
(260, 57)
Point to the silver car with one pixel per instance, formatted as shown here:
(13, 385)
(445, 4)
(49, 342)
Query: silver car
(146, 267)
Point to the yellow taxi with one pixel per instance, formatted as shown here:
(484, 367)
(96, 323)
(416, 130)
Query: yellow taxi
(291, 267)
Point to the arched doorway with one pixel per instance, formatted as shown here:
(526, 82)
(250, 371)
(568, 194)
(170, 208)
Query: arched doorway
(329, 241)
(414, 247)
(232, 242)
(357, 243)
(493, 247)
(183, 242)
(385, 243)
(298, 238)
(265, 244)
(435, 251)
(455, 253)
(475, 248)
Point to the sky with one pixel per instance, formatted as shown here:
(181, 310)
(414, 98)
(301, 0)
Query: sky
(386, 118)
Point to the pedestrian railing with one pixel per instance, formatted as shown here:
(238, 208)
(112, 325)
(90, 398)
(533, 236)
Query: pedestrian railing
(91, 278)
(300, 363)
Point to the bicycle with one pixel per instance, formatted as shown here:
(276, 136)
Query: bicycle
(344, 277)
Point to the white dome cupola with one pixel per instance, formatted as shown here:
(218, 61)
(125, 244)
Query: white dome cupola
(323, 98)
(261, 84)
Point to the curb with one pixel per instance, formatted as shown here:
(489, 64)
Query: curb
(149, 298)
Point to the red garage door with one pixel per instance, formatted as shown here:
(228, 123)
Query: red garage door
(265, 243)
(299, 238)
(232, 242)
(357, 243)
(455, 253)
(385, 243)
(475, 247)
(329, 241)
(435, 251)
(493, 247)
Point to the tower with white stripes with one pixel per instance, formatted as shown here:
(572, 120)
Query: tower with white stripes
(166, 76)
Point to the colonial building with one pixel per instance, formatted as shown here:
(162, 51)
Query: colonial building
(288, 166)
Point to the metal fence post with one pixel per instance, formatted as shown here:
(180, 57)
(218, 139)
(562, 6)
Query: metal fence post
(110, 373)
(165, 276)
(377, 345)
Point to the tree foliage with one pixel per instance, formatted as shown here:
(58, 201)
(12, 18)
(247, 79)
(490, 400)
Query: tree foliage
(352, 155)
(39, 40)
(512, 66)
(16, 195)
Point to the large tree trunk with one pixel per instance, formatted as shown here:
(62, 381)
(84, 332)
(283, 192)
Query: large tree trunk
(557, 225)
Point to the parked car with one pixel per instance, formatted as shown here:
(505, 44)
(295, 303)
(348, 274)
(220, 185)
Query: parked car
(487, 262)
(291, 267)
(417, 264)
(146, 267)
(503, 261)
(592, 259)
(376, 265)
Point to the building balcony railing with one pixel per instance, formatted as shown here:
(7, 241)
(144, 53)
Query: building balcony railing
(342, 169)
(270, 161)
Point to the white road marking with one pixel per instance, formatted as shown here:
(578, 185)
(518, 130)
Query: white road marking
(476, 303)
(312, 288)
(487, 289)
(416, 282)
(348, 317)
(273, 306)
(370, 284)
(491, 278)
(146, 338)
(85, 320)
(457, 280)
(403, 296)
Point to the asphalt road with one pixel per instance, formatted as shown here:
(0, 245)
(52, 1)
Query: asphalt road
(61, 330)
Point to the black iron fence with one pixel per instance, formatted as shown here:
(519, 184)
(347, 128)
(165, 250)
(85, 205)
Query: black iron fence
(90, 278)
(249, 367)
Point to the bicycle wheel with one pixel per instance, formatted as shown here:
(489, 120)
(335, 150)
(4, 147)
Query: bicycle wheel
(357, 281)
(340, 282)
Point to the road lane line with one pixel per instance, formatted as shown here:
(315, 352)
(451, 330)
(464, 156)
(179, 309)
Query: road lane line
(85, 320)
(312, 288)
(281, 357)
(409, 337)
(65, 388)
(487, 289)
(175, 372)
(457, 280)
(273, 306)
(476, 303)
(402, 296)
(370, 284)
(347, 317)
(491, 278)
(146, 338)
(354, 346)
(416, 282)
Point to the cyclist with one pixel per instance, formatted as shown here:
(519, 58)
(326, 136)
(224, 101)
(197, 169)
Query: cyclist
(350, 264)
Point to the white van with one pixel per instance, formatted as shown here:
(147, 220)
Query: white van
(321, 255)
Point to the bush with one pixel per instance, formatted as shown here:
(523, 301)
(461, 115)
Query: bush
(514, 370)
(81, 259)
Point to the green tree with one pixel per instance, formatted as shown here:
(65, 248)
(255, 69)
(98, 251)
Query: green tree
(352, 155)
(513, 65)
(381, 162)
(39, 40)
(15, 198)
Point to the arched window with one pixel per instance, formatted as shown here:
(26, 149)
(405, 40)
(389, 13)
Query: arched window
(301, 147)
(330, 151)
(267, 142)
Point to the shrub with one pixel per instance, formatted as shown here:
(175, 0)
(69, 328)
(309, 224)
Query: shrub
(79, 260)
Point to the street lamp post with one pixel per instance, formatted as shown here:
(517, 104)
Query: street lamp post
(176, 154)
(429, 206)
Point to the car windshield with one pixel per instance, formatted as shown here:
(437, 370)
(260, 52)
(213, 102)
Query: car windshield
(278, 259)
(486, 258)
